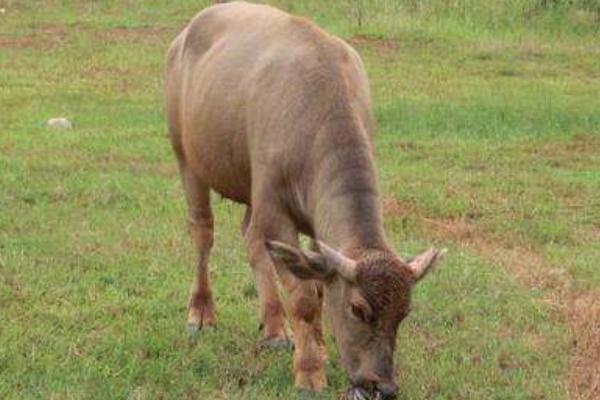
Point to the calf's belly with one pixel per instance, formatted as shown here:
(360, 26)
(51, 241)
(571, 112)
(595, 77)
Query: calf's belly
(221, 162)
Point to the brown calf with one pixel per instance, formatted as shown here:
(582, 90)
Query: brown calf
(270, 111)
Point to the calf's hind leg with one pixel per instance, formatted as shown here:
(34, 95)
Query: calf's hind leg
(200, 305)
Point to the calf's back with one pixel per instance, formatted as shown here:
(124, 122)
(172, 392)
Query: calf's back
(258, 97)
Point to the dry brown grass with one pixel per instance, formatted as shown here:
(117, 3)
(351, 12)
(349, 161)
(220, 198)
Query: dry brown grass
(43, 38)
(142, 34)
(48, 37)
(584, 317)
(385, 48)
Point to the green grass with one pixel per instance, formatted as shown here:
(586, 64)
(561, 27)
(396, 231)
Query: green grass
(489, 144)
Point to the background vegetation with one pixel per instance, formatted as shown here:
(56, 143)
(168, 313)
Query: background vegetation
(489, 144)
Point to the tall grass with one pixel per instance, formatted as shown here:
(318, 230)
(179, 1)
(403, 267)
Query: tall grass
(457, 16)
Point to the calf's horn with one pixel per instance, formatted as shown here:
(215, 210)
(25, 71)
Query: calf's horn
(345, 266)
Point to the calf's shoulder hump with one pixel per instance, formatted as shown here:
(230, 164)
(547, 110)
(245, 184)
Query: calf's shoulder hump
(218, 20)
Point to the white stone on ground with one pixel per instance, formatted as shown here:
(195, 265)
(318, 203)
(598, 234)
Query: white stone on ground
(62, 123)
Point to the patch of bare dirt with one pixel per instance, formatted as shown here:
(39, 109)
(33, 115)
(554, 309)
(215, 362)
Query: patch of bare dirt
(51, 36)
(530, 268)
(584, 316)
(44, 38)
(580, 144)
(396, 207)
(387, 48)
(16, 41)
(144, 34)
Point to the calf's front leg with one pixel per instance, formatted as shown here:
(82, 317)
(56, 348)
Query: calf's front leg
(302, 299)
(272, 315)
(305, 305)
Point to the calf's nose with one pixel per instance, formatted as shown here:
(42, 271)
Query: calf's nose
(387, 390)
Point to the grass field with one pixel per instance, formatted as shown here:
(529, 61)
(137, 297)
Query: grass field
(488, 144)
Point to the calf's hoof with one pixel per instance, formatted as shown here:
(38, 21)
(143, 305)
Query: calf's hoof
(276, 339)
(199, 318)
(276, 343)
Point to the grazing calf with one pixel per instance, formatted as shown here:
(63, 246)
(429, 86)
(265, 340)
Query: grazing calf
(272, 112)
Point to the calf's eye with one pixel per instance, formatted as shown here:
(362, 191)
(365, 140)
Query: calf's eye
(361, 312)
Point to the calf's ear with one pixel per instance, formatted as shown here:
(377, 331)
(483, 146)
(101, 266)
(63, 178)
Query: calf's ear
(304, 264)
(423, 263)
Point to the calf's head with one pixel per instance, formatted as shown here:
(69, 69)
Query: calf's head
(365, 299)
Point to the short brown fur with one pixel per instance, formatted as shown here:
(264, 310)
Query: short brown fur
(272, 112)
